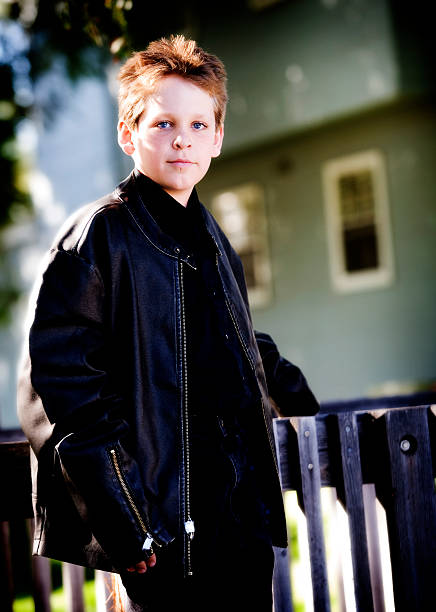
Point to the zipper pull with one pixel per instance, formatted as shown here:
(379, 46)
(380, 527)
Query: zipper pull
(147, 547)
(190, 528)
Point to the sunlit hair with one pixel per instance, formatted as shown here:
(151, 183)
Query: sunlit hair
(140, 76)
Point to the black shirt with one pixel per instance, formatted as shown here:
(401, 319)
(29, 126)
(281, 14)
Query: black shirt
(218, 373)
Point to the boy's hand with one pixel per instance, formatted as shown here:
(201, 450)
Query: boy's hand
(141, 567)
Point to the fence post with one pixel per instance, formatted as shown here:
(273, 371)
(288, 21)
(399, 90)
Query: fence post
(411, 509)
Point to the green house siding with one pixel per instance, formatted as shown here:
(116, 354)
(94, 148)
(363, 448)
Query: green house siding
(301, 63)
(348, 344)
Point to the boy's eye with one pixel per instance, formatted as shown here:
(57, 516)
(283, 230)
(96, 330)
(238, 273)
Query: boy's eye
(163, 124)
(198, 125)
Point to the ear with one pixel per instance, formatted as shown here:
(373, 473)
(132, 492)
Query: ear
(125, 138)
(218, 141)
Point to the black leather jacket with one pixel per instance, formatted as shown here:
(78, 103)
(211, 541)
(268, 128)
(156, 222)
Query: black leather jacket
(101, 395)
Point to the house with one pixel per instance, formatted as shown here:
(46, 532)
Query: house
(326, 184)
(332, 129)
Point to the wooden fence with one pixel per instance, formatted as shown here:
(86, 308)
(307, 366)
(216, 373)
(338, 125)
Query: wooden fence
(368, 450)
(389, 446)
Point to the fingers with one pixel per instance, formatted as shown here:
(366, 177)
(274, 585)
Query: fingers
(141, 567)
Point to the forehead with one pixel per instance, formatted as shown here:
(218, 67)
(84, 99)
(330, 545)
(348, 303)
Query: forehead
(177, 94)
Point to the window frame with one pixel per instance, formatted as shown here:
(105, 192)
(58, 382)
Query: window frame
(345, 281)
(260, 295)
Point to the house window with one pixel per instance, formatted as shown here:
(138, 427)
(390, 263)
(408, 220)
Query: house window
(240, 212)
(358, 224)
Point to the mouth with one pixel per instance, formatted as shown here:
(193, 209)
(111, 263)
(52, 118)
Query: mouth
(180, 162)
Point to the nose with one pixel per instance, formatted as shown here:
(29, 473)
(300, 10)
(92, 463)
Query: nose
(181, 141)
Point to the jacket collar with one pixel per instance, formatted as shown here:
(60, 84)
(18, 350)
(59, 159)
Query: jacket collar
(128, 193)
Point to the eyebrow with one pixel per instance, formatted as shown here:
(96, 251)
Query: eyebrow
(170, 115)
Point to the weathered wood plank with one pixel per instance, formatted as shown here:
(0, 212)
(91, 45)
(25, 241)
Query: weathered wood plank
(6, 583)
(287, 454)
(372, 531)
(311, 491)
(411, 508)
(15, 481)
(422, 398)
(42, 586)
(352, 475)
(282, 581)
(73, 579)
(41, 577)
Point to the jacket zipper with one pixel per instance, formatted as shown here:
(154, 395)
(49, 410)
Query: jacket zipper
(187, 520)
(149, 538)
(244, 348)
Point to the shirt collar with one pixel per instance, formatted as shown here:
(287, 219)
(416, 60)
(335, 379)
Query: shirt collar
(184, 224)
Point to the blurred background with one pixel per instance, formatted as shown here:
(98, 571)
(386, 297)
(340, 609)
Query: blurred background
(326, 185)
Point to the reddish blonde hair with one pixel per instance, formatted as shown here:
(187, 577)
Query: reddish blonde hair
(140, 75)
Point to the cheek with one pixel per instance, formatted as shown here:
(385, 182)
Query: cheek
(152, 151)
(209, 154)
(204, 167)
(151, 141)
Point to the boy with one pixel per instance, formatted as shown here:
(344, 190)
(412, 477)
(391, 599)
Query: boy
(143, 392)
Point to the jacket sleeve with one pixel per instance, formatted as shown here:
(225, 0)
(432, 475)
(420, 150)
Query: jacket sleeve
(286, 383)
(71, 386)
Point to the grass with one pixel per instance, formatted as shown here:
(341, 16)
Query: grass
(57, 600)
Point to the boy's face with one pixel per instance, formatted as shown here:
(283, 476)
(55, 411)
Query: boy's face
(175, 138)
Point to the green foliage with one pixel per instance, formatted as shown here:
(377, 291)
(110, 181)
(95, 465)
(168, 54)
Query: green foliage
(57, 600)
(293, 540)
(85, 35)
(116, 27)
(10, 115)
(24, 601)
(15, 201)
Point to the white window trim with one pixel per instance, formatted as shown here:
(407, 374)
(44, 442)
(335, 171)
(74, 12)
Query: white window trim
(384, 275)
(259, 296)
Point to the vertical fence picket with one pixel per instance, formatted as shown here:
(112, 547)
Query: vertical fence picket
(73, 580)
(352, 476)
(6, 584)
(41, 576)
(311, 490)
(41, 584)
(282, 578)
(282, 582)
(372, 531)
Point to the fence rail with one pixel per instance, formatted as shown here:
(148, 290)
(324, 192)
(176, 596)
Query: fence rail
(367, 450)
(392, 450)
